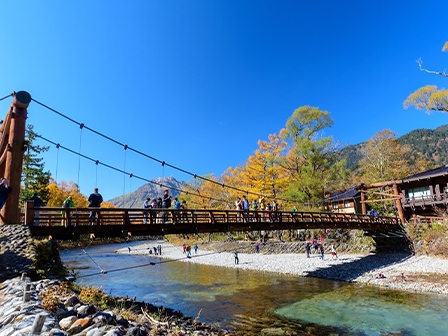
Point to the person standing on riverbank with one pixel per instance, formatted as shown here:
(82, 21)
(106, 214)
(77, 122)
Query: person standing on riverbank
(188, 251)
(237, 260)
(322, 252)
(333, 252)
(195, 248)
(308, 249)
(257, 247)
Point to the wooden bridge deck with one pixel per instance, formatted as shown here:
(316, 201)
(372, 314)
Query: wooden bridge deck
(123, 222)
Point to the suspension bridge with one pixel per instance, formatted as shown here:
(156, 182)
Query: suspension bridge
(62, 223)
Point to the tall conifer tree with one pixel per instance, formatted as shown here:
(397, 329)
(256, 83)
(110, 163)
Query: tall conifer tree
(34, 178)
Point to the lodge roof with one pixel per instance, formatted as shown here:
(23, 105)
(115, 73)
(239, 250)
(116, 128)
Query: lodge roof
(436, 172)
(342, 195)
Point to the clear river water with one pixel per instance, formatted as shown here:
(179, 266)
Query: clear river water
(255, 303)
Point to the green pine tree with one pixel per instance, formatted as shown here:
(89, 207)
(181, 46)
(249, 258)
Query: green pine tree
(34, 178)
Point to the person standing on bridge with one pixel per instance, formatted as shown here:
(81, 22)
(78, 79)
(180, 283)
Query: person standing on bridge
(166, 204)
(154, 213)
(176, 206)
(184, 214)
(274, 210)
(68, 203)
(95, 200)
(5, 190)
(239, 207)
(246, 206)
(146, 205)
(253, 208)
(37, 201)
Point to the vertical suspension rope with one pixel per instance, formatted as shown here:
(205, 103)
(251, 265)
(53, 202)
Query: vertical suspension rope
(96, 174)
(57, 161)
(124, 170)
(81, 126)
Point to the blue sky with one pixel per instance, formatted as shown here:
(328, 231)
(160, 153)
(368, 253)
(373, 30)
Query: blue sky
(197, 83)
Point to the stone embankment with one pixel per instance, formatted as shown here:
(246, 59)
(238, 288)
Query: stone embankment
(17, 251)
(22, 313)
(49, 307)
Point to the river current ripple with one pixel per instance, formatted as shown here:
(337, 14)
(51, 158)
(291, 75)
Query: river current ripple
(253, 303)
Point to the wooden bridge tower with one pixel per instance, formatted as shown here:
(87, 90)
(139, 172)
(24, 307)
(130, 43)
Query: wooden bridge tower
(12, 148)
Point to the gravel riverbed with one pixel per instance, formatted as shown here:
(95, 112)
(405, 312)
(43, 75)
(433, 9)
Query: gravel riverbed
(399, 271)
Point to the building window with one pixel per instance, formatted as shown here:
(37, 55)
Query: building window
(418, 192)
(347, 204)
(335, 206)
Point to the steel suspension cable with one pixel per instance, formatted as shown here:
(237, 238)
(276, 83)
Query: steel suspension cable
(146, 155)
(127, 173)
(10, 95)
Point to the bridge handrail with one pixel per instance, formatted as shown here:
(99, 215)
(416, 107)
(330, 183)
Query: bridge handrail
(125, 216)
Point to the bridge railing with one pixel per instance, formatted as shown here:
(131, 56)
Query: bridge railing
(56, 216)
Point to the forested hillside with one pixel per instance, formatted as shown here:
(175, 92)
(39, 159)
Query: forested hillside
(433, 144)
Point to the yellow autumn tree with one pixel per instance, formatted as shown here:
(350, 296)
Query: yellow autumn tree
(209, 193)
(234, 185)
(385, 159)
(58, 192)
(263, 173)
(429, 98)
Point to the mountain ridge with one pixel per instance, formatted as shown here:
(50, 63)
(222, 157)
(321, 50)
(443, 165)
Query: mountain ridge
(153, 189)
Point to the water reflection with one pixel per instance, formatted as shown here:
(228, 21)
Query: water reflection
(254, 302)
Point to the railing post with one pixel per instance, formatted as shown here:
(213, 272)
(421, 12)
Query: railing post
(126, 219)
(69, 217)
(29, 212)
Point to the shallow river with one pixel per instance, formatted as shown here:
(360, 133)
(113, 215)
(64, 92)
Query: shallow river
(252, 302)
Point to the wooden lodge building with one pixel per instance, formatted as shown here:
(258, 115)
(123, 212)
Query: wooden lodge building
(346, 201)
(424, 194)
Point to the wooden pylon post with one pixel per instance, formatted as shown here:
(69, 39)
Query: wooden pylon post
(15, 148)
(363, 203)
(398, 203)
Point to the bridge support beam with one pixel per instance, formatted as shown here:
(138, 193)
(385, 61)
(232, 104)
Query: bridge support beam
(15, 148)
